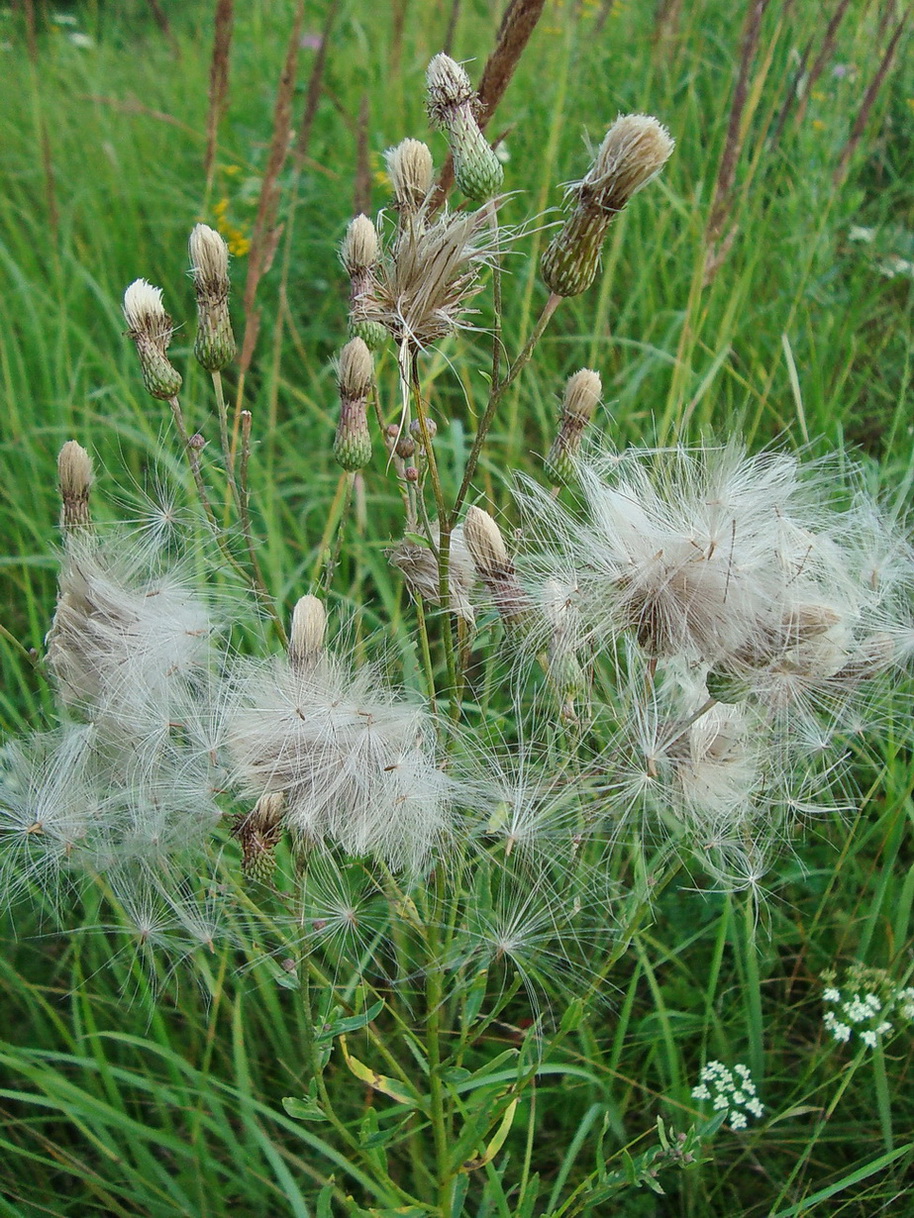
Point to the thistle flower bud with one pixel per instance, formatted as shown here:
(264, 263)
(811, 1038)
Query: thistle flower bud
(493, 565)
(151, 329)
(215, 343)
(359, 254)
(635, 149)
(409, 166)
(306, 637)
(352, 445)
(582, 393)
(74, 470)
(451, 104)
(258, 833)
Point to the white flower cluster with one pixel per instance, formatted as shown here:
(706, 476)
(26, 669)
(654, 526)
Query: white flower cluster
(861, 1003)
(729, 1090)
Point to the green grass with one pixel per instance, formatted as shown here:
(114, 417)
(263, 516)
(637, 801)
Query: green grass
(125, 1093)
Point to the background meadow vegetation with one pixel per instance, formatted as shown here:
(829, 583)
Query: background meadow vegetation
(773, 301)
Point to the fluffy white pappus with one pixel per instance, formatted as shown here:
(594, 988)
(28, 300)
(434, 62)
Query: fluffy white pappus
(50, 825)
(682, 547)
(355, 760)
(125, 634)
(521, 792)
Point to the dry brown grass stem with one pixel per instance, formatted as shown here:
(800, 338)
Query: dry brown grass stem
(722, 202)
(218, 84)
(132, 105)
(826, 52)
(315, 86)
(160, 17)
(266, 233)
(517, 25)
(869, 99)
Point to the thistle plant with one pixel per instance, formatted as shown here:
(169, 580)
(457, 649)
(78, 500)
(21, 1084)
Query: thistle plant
(661, 652)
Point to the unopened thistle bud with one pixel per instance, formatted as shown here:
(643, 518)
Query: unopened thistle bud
(493, 565)
(151, 329)
(452, 104)
(74, 470)
(306, 637)
(582, 393)
(635, 149)
(258, 833)
(352, 445)
(409, 166)
(359, 254)
(215, 343)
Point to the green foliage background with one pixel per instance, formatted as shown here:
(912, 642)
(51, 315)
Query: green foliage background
(117, 1101)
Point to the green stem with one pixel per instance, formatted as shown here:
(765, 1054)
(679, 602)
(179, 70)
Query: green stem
(495, 396)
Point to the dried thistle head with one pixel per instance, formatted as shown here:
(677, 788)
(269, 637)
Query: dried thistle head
(493, 564)
(209, 254)
(352, 444)
(74, 470)
(422, 285)
(635, 149)
(410, 168)
(418, 564)
(452, 104)
(582, 393)
(151, 329)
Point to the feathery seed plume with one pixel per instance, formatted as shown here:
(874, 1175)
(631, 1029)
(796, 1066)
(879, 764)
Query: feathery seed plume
(151, 329)
(352, 444)
(452, 104)
(355, 761)
(582, 393)
(635, 149)
(74, 470)
(214, 346)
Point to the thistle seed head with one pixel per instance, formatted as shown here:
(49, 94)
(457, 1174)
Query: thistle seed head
(635, 149)
(452, 104)
(494, 566)
(418, 564)
(582, 393)
(360, 250)
(355, 370)
(74, 470)
(306, 637)
(215, 343)
(151, 329)
(411, 173)
(352, 443)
